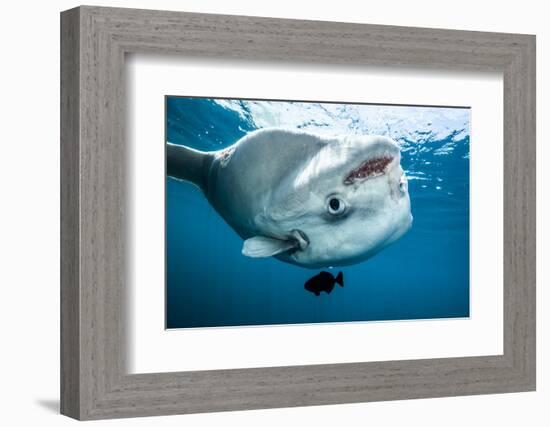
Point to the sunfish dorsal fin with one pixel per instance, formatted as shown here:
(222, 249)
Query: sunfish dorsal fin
(188, 164)
(262, 247)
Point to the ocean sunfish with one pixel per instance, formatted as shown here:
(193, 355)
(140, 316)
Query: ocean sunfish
(307, 200)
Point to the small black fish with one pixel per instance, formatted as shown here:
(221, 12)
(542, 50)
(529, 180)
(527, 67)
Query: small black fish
(324, 281)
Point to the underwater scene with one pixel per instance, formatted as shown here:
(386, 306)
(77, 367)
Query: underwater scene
(293, 212)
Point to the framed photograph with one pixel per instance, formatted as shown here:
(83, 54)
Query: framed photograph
(307, 192)
(263, 213)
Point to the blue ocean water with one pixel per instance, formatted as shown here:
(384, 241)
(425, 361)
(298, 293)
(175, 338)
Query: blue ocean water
(423, 275)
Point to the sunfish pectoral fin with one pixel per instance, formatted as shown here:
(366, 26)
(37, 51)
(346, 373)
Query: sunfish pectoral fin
(262, 247)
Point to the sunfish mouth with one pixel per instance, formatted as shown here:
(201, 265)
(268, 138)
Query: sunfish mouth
(370, 168)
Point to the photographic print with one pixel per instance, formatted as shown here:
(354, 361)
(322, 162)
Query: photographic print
(297, 212)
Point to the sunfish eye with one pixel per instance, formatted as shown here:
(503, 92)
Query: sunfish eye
(336, 206)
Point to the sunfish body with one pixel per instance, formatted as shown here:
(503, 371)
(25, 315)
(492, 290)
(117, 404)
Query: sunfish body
(307, 200)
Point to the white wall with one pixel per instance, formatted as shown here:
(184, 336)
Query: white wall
(29, 225)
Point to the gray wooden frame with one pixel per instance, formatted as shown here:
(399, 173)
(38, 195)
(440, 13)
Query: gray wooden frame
(94, 41)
